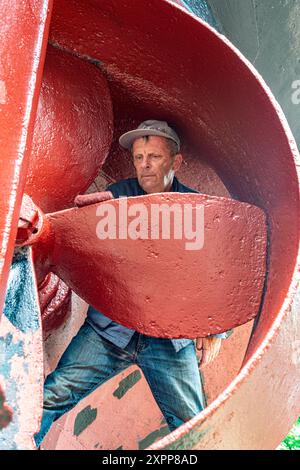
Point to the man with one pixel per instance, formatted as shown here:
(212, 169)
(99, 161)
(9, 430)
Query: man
(103, 348)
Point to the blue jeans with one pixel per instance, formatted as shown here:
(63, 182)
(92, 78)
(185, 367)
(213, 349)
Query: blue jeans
(91, 360)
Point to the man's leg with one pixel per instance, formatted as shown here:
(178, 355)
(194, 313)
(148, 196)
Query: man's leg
(88, 362)
(174, 379)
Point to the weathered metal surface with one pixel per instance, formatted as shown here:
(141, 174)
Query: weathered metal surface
(72, 133)
(124, 431)
(21, 353)
(255, 412)
(5, 411)
(124, 273)
(23, 33)
(90, 425)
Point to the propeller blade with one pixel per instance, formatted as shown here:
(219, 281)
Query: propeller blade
(22, 49)
(165, 287)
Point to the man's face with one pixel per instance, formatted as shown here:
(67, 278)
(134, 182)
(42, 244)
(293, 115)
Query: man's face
(154, 165)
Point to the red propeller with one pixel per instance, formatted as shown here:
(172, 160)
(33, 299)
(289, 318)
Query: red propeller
(172, 287)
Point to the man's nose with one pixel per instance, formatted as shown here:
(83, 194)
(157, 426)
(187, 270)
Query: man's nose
(146, 163)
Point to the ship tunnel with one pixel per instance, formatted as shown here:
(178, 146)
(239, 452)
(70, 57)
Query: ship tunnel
(107, 67)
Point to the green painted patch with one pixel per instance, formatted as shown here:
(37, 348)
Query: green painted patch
(127, 383)
(151, 438)
(84, 418)
(188, 441)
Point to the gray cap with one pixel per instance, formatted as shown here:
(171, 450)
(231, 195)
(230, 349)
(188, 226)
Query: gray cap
(159, 128)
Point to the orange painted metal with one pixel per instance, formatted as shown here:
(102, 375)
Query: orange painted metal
(72, 133)
(23, 37)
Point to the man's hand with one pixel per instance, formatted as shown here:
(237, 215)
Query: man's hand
(28, 220)
(208, 349)
(93, 198)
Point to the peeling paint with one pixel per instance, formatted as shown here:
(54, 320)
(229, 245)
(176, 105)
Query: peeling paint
(8, 349)
(22, 372)
(151, 438)
(188, 440)
(21, 303)
(127, 383)
(84, 418)
(5, 412)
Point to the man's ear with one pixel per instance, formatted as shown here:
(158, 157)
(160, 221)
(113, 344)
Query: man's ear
(177, 161)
